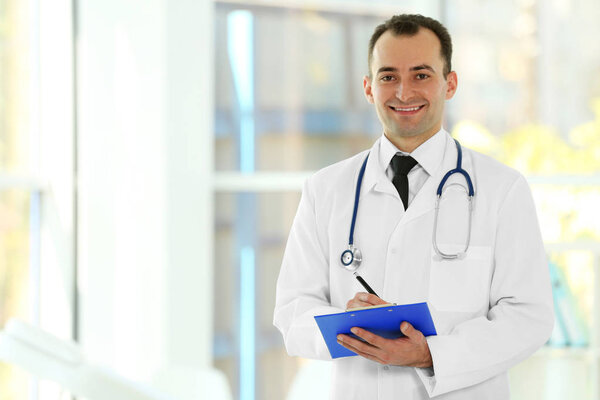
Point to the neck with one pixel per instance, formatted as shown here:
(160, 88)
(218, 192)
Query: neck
(408, 144)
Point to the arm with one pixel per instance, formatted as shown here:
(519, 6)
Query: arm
(520, 318)
(303, 284)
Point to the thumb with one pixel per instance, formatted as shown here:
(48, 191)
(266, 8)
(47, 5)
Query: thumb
(408, 330)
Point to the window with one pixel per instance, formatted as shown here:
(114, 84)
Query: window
(19, 204)
(36, 175)
(289, 101)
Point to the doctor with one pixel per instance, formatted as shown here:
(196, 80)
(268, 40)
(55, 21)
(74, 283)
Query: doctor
(491, 303)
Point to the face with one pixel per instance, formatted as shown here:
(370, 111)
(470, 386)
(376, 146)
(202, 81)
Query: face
(407, 86)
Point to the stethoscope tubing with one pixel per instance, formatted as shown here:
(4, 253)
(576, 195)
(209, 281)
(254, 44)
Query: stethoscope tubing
(356, 199)
(354, 257)
(434, 237)
(458, 170)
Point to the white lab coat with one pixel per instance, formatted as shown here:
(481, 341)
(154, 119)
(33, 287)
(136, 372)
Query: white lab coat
(491, 309)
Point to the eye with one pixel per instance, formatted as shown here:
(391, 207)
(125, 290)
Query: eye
(387, 78)
(422, 76)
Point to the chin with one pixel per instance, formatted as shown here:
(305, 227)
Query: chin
(406, 133)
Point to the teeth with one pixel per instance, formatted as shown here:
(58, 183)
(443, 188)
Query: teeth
(407, 109)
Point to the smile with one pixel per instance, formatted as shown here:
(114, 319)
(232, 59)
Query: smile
(407, 110)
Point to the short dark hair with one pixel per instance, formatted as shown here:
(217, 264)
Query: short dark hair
(409, 25)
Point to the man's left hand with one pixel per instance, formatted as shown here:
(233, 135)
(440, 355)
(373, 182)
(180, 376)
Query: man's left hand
(409, 351)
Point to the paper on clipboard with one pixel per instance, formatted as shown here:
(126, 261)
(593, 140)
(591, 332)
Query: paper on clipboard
(382, 321)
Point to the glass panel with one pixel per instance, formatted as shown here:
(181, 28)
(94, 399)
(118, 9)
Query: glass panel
(245, 288)
(14, 85)
(305, 107)
(517, 97)
(568, 213)
(14, 203)
(494, 55)
(553, 375)
(14, 279)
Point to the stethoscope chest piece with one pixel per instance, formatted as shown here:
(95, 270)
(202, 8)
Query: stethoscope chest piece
(351, 258)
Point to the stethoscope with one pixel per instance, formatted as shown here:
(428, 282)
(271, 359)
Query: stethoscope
(351, 258)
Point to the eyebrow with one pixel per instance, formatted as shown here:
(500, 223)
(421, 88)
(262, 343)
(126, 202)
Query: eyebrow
(422, 66)
(386, 69)
(415, 68)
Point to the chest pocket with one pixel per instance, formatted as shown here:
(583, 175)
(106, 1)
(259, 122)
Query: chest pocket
(461, 284)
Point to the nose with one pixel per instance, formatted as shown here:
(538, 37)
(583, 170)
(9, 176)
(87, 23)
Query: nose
(404, 92)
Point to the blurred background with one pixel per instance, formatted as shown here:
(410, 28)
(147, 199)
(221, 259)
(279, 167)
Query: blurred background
(152, 155)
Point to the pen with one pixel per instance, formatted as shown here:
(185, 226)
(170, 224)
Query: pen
(365, 285)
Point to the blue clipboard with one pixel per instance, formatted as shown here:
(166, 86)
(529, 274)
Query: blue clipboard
(382, 321)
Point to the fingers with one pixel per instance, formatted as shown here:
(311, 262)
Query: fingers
(362, 353)
(363, 299)
(352, 304)
(361, 348)
(369, 337)
(370, 298)
(411, 350)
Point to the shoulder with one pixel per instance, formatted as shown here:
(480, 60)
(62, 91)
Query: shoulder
(496, 183)
(493, 171)
(331, 177)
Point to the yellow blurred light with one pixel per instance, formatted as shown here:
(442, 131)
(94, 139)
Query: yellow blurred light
(475, 136)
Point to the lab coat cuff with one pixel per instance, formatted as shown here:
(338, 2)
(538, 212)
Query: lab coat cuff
(437, 380)
(441, 379)
(304, 338)
(427, 375)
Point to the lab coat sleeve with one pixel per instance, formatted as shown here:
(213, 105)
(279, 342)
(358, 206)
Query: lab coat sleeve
(303, 284)
(520, 318)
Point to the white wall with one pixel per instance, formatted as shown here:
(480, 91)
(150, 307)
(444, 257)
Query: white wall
(52, 160)
(145, 204)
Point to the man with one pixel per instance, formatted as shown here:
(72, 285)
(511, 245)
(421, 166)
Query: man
(492, 305)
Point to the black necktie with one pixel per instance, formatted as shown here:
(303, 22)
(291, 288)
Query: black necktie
(402, 166)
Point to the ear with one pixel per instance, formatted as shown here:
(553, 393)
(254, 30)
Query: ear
(368, 89)
(451, 83)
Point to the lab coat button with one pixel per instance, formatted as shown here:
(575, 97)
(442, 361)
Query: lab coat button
(393, 250)
(386, 367)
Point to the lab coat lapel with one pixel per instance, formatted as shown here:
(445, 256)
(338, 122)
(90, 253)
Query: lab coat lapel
(375, 178)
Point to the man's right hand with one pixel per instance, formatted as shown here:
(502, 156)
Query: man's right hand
(363, 299)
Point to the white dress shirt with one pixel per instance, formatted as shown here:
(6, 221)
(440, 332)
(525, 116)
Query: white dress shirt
(428, 156)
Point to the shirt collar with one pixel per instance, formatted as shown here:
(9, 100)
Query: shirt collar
(429, 155)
